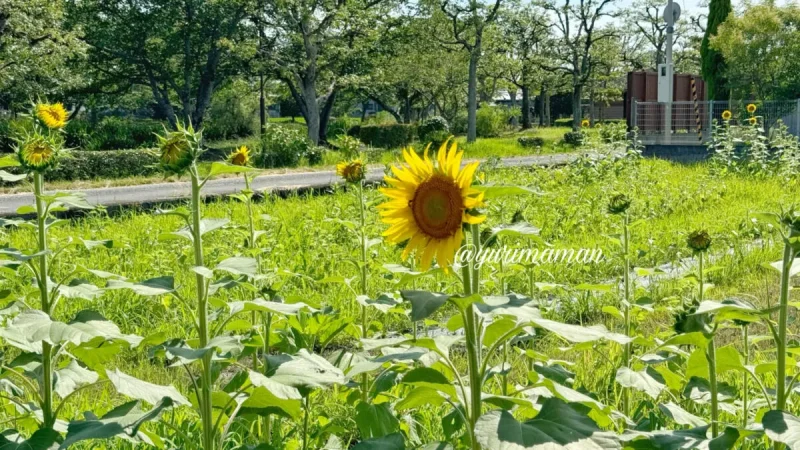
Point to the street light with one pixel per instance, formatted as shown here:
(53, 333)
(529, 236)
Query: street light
(665, 78)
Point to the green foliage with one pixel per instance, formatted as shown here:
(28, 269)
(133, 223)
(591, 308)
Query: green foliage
(613, 132)
(531, 141)
(574, 138)
(491, 121)
(233, 113)
(284, 147)
(712, 62)
(88, 165)
(432, 125)
(750, 149)
(759, 49)
(567, 122)
(381, 118)
(347, 145)
(113, 133)
(387, 136)
(340, 125)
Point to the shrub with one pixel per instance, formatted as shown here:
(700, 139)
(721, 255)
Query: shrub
(436, 139)
(283, 147)
(387, 136)
(573, 138)
(340, 126)
(354, 131)
(116, 133)
(433, 125)
(347, 145)
(459, 124)
(611, 132)
(531, 141)
(87, 165)
(233, 113)
(490, 121)
(315, 155)
(381, 118)
(563, 122)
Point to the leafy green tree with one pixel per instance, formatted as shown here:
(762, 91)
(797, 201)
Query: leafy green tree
(315, 45)
(525, 31)
(761, 50)
(34, 51)
(578, 28)
(179, 50)
(464, 23)
(712, 63)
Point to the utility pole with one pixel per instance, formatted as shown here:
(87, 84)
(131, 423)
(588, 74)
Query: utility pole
(665, 71)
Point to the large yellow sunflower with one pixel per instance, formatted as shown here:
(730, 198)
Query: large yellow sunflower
(37, 154)
(52, 115)
(726, 115)
(351, 171)
(428, 203)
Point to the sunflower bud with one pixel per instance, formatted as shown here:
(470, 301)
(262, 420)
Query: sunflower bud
(699, 241)
(619, 204)
(351, 171)
(37, 153)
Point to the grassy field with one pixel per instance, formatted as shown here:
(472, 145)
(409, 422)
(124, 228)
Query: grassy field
(307, 250)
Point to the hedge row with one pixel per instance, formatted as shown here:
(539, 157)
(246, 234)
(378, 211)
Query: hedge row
(87, 165)
(387, 136)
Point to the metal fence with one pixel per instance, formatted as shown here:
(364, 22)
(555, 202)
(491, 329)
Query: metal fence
(690, 123)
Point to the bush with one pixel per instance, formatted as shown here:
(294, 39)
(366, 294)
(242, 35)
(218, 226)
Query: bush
(315, 155)
(283, 147)
(611, 132)
(563, 122)
(347, 145)
(354, 131)
(459, 125)
(113, 133)
(490, 121)
(436, 139)
(387, 136)
(233, 113)
(530, 141)
(433, 125)
(381, 118)
(573, 138)
(340, 126)
(88, 165)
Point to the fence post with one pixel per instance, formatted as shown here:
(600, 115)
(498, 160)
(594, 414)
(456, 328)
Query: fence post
(634, 124)
(797, 118)
(710, 118)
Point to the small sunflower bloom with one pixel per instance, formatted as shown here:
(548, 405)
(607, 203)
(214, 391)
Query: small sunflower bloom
(726, 115)
(753, 121)
(751, 108)
(699, 241)
(585, 123)
(351, 171)
(240, 156)
(428, 203)
(54, 116)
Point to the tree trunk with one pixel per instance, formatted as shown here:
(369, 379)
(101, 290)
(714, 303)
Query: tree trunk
(513, 97)
(577, 91)
(325, 116)
(262, 106)
(311, 112)
(547, 121)
(472, 95)
(526, 107)
(407, 108)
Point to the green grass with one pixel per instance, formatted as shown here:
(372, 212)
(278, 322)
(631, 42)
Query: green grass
(304, 237)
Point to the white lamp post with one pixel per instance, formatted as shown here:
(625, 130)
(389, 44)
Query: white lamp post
(665, 89)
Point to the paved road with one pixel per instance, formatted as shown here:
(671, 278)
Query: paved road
(166, 192)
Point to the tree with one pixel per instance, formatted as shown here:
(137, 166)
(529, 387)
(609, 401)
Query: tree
(712, 64)
(761, 50)
(577, 28)
(34, 51)
(644, 18)
(179, 50)
(524, 29)
(314, 44)
(467, 20)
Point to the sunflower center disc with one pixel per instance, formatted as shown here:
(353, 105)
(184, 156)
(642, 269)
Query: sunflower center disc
(437, 207)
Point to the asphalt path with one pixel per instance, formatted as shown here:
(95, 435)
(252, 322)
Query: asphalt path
(170, 192)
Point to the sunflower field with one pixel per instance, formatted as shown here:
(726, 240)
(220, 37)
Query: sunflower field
(353, 318)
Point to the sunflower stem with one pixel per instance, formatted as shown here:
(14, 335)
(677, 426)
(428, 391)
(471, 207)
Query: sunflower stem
(205, 400)
(47, 349)
(363, 254)
(783, 314)
(626, 400)
(473, 338)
